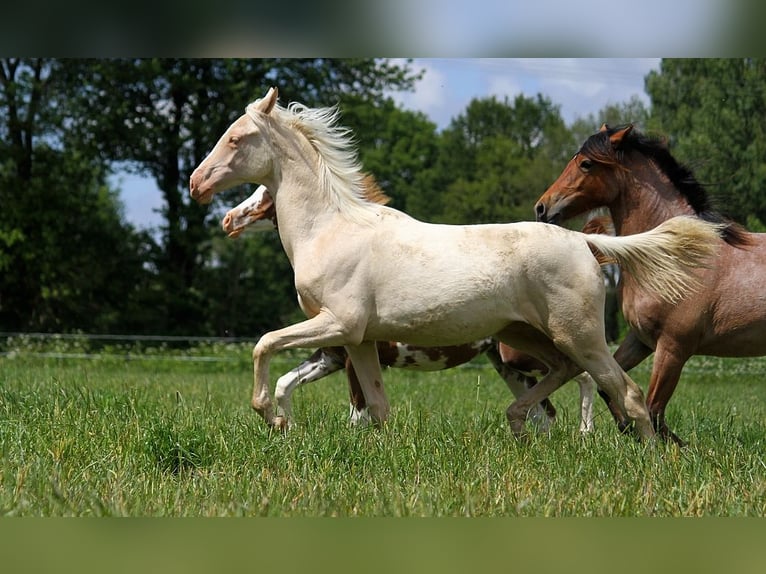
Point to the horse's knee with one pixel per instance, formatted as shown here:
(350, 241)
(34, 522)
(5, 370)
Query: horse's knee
(262, 346)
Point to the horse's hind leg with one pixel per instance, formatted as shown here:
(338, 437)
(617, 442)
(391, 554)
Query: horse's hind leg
(321, 363)
(629, 354)
(529, 340)
(541, 414)
(364, 358)
(622, 390)
(358, 414)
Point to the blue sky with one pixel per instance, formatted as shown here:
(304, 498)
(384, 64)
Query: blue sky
(579, 86)
(622, 28)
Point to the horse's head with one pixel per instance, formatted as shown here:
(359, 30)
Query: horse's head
(256, 213)
(589, 180)
(238, 156)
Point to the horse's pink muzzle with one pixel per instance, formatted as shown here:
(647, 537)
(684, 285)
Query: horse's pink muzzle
(200, 191)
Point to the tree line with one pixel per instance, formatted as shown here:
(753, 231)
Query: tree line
(69, 261)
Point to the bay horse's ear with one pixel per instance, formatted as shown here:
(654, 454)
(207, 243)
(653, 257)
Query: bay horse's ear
(617, 137)
(266, 104)
(604, 127)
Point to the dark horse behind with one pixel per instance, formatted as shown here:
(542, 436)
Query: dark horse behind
(642, 185)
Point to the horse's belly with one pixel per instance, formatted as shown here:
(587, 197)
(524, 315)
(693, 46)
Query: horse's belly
(459, 322)
(745, 340)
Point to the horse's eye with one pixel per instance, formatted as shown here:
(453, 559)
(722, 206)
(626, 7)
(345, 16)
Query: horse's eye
(234, 140)
(586, 164)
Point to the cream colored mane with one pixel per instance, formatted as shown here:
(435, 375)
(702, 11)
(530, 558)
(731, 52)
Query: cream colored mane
(344, 184)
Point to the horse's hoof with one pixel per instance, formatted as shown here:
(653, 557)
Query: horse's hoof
(280, 423)
(627, 427)
(674, 438)
(518, 428)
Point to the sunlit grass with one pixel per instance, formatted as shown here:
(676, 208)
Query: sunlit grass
(133, 438)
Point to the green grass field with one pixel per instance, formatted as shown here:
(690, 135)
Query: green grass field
(161, 437)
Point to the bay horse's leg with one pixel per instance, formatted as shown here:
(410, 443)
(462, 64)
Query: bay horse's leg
(529, 340)
(513, 366)
(561, 370)
(321, 363)
(541, 414)
(322, 330)
(364, 358)
(666, 372)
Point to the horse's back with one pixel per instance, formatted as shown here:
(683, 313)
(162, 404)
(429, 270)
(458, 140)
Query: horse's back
(431, 278)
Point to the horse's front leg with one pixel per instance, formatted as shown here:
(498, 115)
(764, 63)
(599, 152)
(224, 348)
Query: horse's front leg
(319, 331)
(365, 360)
(666, 372)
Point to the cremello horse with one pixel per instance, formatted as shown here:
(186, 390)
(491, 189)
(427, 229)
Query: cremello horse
(365, 272)
(518, 370)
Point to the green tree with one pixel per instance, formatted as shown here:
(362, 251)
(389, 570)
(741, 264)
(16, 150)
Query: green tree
(495, 160)
(634, 111)
(714, 114)
(162, 116)
(67, 259)
(395, 145)
(249, 285)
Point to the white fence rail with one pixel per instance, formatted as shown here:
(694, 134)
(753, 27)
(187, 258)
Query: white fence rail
(89, 346)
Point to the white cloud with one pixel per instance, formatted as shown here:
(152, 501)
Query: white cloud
(502, 86)
(579, 86)
(430, 92)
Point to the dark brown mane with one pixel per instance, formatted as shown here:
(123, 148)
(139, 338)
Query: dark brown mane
(599, 148)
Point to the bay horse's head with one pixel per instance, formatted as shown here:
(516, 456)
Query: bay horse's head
(239, 156)
(589, 180)
(256, 213)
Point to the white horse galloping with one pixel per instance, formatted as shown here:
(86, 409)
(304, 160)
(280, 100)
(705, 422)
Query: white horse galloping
(519, 371)
(365, 272)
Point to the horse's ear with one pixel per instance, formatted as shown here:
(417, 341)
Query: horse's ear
(604, 127)
(617, 137)
(266, 104)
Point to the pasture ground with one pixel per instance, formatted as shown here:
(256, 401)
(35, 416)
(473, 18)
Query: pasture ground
(150, 435)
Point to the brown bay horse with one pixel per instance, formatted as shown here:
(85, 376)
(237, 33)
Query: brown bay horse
(642, 185)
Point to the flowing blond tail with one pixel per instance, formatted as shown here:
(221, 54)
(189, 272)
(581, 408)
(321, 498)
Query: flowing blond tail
(661, 259)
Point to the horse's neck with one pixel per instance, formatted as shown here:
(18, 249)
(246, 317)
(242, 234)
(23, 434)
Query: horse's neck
(646, 199)
(300, 220)
(305, 210)
(297, 209)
